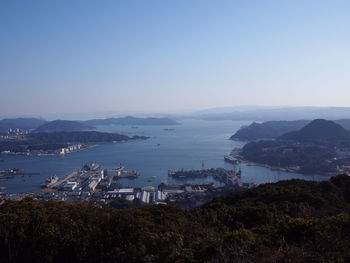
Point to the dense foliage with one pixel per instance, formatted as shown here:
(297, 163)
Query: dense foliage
(289, 221)
(310, 158)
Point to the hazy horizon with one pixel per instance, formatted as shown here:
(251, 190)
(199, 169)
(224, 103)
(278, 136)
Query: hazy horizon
(228, 112)
(138, 57)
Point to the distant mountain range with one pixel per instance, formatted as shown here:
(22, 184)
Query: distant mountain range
(40, 125)
(64, 126)
(129, 120)
(275, 129)
(79, 137)
(259, 113)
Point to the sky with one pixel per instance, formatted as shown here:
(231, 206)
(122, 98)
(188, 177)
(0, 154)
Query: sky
(165, 56)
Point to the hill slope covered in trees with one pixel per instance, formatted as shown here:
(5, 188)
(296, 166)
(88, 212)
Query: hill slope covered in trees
(64, 126)
(288, 221)
(275, 129)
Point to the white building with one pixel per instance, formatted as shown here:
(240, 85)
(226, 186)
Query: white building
(70, 186)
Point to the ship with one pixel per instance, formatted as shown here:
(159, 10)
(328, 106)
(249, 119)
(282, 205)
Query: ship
(230, 159)
(122, 173)
(13, 171)
(90, 167)
(50, 182)
(219, 174)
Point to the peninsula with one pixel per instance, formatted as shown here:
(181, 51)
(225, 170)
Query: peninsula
(321, 147)
(52, 143)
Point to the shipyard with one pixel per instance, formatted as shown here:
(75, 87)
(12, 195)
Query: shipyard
(94, 185)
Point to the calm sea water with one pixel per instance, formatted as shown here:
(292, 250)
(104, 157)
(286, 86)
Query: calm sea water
(185, 147)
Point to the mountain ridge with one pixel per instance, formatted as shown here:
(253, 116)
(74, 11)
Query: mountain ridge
(275, 129)
(318, 129)
(64, 126)
(130, 120)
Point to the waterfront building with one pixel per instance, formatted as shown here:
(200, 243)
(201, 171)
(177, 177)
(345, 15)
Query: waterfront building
(70, 186)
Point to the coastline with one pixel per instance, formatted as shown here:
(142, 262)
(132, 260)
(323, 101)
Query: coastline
(236, 153)
(84, 147)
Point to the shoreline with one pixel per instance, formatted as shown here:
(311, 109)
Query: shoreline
(236, 154)
(59, 154)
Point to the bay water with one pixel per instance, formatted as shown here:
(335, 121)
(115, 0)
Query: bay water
(189, 145)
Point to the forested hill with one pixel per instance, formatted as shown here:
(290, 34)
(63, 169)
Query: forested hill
(267, 130)
(319, 131)
(64, 126)
(79, 137)
(40, 125)
(275, 129)
(289, 221)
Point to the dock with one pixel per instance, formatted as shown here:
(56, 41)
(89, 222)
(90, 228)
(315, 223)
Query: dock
(62, 180)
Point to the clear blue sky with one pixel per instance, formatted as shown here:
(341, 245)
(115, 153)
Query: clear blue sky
(161, 56)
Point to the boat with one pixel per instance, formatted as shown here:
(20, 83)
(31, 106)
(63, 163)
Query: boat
(12, 171)
(171, 172)
(230, 159)
(91, 167)
(120, 168)
(49, 182)
(122, 173)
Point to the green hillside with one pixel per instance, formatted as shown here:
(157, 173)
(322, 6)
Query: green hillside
(64, 126)
(289, 221)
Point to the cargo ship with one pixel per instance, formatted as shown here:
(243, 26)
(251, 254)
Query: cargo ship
(90, 167)
(50, 182)
(230, 159)
(228, 177)
(122, 173)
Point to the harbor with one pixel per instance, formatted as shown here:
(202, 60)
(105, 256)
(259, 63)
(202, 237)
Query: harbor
(185, 148)
(97, 186)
